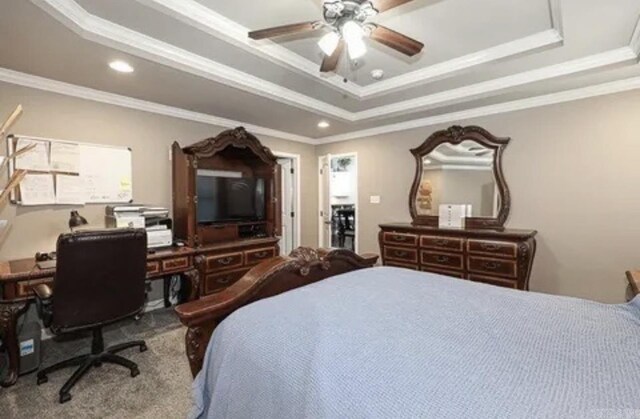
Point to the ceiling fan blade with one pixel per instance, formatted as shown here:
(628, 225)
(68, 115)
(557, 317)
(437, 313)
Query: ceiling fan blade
(283, 30)
(396, 40)
(331, 62)
(384, 5)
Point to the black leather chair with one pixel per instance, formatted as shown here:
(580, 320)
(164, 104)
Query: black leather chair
(99, 280)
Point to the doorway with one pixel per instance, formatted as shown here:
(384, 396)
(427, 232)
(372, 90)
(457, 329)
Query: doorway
(338, 186)
(290, 205)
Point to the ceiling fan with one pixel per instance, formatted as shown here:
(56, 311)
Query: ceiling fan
(347, 21)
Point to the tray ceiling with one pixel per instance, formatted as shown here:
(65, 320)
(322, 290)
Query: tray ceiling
(194, 56)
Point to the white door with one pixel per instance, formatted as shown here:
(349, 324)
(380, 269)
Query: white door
(325, 200)
(287, 241)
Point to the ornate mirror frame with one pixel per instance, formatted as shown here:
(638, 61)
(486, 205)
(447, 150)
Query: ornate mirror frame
(456, 135)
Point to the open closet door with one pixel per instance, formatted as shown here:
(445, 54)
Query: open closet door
(325, 201)
(277, 204)
(183, 190)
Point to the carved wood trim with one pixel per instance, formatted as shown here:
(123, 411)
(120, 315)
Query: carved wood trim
(634, 284)
(275, 276)
(456, 135)
(237, 137)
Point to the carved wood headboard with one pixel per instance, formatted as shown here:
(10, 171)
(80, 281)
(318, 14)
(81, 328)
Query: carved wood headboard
(275, 276)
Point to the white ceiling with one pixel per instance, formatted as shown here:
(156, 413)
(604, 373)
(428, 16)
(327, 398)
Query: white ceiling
(480, 56)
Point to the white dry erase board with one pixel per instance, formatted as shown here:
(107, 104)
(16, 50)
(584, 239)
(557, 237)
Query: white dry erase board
(70, 173)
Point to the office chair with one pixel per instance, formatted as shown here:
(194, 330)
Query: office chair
(99, 280)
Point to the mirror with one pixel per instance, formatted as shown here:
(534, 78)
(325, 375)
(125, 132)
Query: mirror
(460, 166)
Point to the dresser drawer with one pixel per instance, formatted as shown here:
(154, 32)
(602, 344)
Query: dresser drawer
(226, 261)
(401, 254)
(402, 265)
(442, 260)
(24, 289)
(153, 268)
(219, 281)
(402, 239)
(455, 274)
(493, 248)
(173, 264)
(253, 257)
(492, 280)
(497, 267)
(442, 243)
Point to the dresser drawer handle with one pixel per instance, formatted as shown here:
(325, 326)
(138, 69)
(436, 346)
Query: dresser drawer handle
(441, 242)
(400, 238)
(492, 266)
(262, 254)
(226, 260)
(442, 259)
(224, 280)
(490, 247)
(400, 253)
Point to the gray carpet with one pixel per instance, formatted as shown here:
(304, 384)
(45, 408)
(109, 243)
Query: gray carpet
(162, 390)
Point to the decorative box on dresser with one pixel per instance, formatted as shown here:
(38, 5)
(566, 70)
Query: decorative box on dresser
(461, 166)
(497, 257)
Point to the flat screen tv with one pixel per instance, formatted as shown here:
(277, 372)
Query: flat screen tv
(226, 199)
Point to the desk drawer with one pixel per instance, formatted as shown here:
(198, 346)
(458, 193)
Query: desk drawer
(173, 264)
(222, 262)
(493, 267)
(253, 257)
(442, 260)
(492, 248)
(442, 243)
(402, 239)
(23, 289)
(401, 254)
(153, 268)
(219, 281)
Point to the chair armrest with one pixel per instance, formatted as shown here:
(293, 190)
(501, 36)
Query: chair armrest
(44, 300)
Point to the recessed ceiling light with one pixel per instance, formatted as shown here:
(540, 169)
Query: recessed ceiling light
(121, 66)
(427, 161)
(323, 124)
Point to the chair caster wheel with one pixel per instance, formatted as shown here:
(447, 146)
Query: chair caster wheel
(65, 398)
(143, 348)
(43, 379)
(135, 372)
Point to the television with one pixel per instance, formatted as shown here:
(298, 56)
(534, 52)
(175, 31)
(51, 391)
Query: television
(227, 199)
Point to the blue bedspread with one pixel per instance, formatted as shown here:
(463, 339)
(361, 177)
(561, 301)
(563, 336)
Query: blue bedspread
(391, 343)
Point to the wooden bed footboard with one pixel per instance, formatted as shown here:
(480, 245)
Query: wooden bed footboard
(634, 284)
(275, 276)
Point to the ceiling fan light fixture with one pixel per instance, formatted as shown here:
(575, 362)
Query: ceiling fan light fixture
(357, 48)
(352, 32)
(329, 43)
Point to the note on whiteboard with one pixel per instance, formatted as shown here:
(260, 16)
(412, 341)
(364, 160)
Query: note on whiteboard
(65, 157)
(36, 159)
(37, 189)
(70, 190)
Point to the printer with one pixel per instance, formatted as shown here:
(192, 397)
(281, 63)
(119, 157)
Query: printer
(154, 219)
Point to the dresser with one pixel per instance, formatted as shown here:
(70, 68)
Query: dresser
(501, 257)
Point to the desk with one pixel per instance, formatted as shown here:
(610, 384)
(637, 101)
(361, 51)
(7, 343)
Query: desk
(17, 277)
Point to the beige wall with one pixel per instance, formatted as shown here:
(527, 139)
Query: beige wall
(574, 174)
(149, 135)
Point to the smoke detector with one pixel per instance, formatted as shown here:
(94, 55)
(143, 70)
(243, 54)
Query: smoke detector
(377, 74)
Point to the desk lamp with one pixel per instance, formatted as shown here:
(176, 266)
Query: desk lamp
(76, 220)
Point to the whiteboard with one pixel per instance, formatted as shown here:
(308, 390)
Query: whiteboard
(104, 172)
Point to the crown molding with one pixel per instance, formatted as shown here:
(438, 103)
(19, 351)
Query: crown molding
(54, 86)
(112, 35)
(115, 36)
(618, 86)
(202, 18)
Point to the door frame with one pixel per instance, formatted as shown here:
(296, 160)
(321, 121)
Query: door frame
(353, 154)
(297, 237)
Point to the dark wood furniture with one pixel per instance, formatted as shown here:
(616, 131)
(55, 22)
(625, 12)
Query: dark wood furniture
(303, 266)
(18, 277)
(483, 251)
(498, 257)
(634, 284)
(226, 251)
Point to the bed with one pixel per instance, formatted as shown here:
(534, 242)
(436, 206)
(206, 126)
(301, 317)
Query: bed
(387, 342)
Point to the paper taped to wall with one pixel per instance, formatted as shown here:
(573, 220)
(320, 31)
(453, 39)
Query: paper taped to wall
(37, 189)
(70, 190)
(37, 159)
(65, 157)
